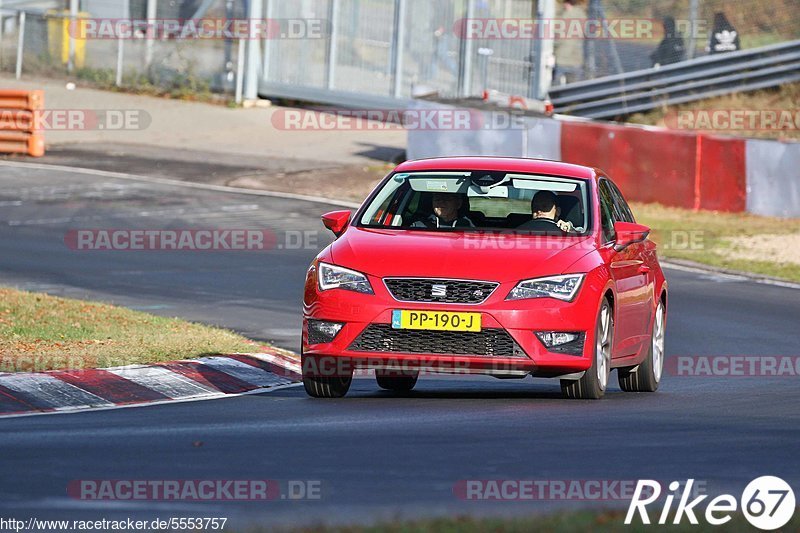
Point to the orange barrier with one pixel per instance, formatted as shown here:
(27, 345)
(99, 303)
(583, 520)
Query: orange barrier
(18, 127)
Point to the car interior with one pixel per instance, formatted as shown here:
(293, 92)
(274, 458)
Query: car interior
(493, 201)
(421, 207)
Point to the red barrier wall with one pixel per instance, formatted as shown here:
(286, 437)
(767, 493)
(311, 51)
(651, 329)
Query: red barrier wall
(723, 174)
(672, 168)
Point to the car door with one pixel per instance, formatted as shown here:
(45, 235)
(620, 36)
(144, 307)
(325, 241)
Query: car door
(640, 283)
(625, 274)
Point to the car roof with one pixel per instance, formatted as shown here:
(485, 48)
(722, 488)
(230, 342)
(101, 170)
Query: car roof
(507, 164)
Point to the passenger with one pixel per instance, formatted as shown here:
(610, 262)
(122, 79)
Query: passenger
(546, 213)
(446, 207)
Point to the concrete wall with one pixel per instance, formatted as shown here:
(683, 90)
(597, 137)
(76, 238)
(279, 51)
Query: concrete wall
(492, 134)
(773, 178)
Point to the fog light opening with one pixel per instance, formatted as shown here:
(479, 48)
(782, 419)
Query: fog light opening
(566, 342)
(322, 331)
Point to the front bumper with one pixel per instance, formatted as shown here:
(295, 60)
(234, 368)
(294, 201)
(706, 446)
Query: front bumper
(519, 319)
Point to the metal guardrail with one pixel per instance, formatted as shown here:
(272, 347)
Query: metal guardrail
(687, 81)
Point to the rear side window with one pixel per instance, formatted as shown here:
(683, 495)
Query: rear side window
(606, 211)
(622, 211)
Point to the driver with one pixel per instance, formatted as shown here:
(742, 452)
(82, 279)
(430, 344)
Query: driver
(546, 213)
(445, 213)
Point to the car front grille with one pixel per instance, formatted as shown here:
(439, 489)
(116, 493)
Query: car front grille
(486, 343)
(451, 291)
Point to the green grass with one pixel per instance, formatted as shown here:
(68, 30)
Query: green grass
(784, 98)
(185, 85)
(564, 522)
(708, 237)
(41, 332)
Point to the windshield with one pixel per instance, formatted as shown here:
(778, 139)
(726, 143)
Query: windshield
(480, 201)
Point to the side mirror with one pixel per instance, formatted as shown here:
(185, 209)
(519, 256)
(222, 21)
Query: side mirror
(629, 233)
(336, 221)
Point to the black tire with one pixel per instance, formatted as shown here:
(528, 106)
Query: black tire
(590, 386)
(324, 386)
(396, 381)
(646, 377)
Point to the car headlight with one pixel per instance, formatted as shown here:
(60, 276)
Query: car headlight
(559, 287)
(336, 277)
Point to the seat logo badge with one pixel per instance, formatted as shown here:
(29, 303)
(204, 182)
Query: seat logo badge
(438, 291)
(477, 293)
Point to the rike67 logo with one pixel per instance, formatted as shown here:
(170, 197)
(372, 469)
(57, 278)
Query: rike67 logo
(767, 503)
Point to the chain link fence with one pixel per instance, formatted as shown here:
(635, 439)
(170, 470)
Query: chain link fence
(399, 48)
(36, 39)
(636, 34)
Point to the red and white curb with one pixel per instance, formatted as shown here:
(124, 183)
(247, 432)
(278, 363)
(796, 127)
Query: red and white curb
(60, 391)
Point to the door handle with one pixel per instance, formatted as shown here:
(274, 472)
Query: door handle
(644, 269)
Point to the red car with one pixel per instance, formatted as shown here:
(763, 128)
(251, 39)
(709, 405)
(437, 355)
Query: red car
(487, 265)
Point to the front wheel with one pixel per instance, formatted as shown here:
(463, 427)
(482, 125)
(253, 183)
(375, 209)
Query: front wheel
(592, 386)
(325, 377)
(646, 376)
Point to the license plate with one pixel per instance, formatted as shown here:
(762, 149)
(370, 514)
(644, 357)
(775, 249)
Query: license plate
(436, 320)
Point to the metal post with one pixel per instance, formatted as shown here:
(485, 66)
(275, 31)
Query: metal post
(611, 42)
(20, 43)
(73, 20)
(542, 47)
(253, 51)
(121, 45)
(467, 48)
(1, 33)
(333, 18)
(120, 60)
(239, 71)
(693, 10)
(398, 45)
(591, 43)
(150, 15)
(485, 54)
(268, 15)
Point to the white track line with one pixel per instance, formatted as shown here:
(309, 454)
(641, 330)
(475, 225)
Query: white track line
(179, 183)
(730, 276)
(322, 200)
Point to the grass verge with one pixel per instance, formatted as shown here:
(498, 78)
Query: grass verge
(564, 522)
(735, 241)
(782, 98)
(40, 332)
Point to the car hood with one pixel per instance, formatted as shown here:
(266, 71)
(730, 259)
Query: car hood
(464, 255)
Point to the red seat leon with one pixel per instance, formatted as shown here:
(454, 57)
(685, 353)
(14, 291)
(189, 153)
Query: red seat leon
(479, 265)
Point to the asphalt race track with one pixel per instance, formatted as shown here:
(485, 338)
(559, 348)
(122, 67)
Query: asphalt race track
(375, 455)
